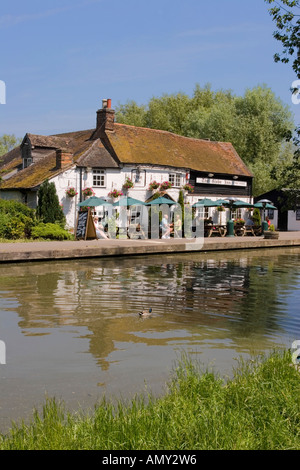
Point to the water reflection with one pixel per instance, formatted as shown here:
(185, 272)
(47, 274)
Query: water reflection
(219, 305)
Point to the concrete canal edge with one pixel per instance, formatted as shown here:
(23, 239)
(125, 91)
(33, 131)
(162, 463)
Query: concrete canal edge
(56, 250)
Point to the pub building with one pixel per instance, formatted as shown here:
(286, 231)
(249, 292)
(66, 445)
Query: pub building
(111, 159)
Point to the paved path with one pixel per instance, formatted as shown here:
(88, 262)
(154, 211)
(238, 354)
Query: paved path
(55, 250)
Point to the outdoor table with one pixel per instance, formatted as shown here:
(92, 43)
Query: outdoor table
(135, 231)
(249, 230)
(219, 230)
(243, 230)
(239, 230)
(122, 231)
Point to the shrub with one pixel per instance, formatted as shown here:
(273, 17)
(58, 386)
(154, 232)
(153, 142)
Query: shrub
(256, 217)
(49, 209)
(15, 208)
(51, 231)
(16, 220)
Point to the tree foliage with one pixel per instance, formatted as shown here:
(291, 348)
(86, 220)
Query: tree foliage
(258, 124)
(48, 208)
(8, 142)
(286, 15)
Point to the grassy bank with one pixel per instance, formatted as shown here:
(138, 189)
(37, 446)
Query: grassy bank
(257, 409)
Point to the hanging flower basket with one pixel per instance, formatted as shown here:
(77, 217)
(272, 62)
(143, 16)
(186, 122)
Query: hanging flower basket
(115, 193)
(220, 208)
(188, 187)
(71, 192)
(153, 185)
(128, 184)
(88, 192)
(165, 185)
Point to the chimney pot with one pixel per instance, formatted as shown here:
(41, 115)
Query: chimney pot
(106, 103)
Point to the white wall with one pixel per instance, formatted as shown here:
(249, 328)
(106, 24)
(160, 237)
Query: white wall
(293, 224)
(114, 180)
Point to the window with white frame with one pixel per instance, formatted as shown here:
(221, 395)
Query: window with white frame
(27, 162)
(202, 212)
(175, 179)
(99, 178)
(237, 214)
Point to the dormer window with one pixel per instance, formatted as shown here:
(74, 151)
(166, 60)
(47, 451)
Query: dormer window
(26, 154)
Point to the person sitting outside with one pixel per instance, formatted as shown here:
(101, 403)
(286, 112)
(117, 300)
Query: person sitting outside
(208, 221)
(99, 229)
(249, 222)
(178, 227)
(165, 227)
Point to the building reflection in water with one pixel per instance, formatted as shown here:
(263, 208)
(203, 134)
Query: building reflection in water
(205, 300)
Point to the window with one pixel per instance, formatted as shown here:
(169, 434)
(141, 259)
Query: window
(26, 155)
(99, 178)
(298, 213)
(27, 162)
(202, 212)
(175, 179)
(237, 214)
(271, 214)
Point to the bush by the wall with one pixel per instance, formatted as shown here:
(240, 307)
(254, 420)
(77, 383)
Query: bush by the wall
(50, 231)
(15, 208)
(16, 220)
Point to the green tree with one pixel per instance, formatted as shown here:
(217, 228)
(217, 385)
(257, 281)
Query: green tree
(286, 15)
(48, 208)
(8, 142)
(132, 114)
(258, 125)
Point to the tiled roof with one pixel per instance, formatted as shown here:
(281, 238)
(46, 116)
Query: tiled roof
(150, 146)
(97, 156)
(34, 175)
(125, 145)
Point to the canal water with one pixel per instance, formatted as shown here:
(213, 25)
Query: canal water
(72, 329)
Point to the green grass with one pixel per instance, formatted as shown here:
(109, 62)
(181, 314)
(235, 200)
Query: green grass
(257, 409)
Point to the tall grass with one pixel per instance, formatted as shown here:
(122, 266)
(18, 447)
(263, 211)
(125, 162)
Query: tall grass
(257, 409)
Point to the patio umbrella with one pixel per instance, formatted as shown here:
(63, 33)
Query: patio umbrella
(94, 201)
(206, 203)
(222, 202)
(267, 205)
(242, 204)
(160, 200)
(128, 201)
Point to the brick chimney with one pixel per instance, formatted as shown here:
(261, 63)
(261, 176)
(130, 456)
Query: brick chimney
(105, 118)
(64, 158)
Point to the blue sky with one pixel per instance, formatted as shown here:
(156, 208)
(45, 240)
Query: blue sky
(59, 58)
